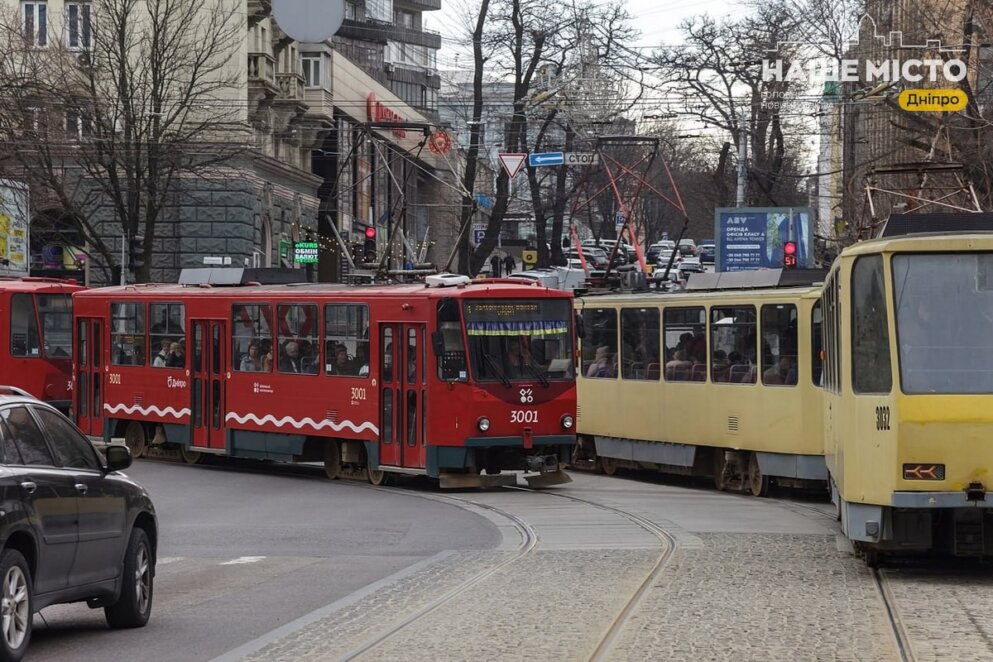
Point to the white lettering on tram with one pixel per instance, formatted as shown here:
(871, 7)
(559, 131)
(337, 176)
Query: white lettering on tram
(175, 383)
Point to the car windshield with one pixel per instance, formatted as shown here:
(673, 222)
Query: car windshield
(519, 339)
(944, 310)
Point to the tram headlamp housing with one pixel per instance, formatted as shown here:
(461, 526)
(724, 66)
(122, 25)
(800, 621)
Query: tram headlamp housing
(483, 424)
(567, 422)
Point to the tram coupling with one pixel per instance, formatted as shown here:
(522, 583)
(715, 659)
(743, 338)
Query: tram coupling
(547, 471)
(541, 463)
(975, 492)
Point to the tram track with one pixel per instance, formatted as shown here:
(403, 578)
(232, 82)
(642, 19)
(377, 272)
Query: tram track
(903, 644)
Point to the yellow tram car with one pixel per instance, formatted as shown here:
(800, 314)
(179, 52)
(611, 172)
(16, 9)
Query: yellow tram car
(721, 381)
(908, 393)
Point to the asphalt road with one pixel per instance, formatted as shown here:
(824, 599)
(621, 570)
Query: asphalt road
(246, 548)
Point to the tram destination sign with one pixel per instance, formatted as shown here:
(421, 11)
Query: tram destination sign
(305, 252)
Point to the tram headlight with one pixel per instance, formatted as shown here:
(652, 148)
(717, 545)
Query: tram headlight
(483, 423)
(567, 422)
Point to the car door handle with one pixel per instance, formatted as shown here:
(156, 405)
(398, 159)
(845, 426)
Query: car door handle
(82, 488)
(29, 487)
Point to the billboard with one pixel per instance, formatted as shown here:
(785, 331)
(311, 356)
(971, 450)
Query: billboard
(14, 253)
(753, 237)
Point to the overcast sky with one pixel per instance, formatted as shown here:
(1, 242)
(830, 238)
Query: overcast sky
(657, 20)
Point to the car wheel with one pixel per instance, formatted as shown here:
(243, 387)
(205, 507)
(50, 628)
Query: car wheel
(134, 605)
(15, 605)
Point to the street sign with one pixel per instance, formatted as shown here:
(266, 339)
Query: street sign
(581, 158)
(619, 221)
(512, 162)
(439, 143)
(477, 236)
(529, 257)
(546, 159)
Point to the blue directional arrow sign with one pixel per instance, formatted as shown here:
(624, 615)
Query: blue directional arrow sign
(546, 159)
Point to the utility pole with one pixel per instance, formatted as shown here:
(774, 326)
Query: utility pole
(742, 158)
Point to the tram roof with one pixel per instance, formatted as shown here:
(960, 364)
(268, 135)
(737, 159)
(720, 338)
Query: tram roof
(924, 242)
(756, 279)
(475, 289)
(42, 285)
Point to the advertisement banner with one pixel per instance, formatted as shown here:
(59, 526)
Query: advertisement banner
(13, 228)
(753, 238)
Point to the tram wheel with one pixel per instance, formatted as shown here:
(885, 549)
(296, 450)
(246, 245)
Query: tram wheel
(608, 465)
(758, 484)
(332, 460)
(720, 470)
(375, 476)
(189, 455)
(134, 438)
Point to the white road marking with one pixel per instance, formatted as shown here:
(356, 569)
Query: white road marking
(241, 560)
(166, 560)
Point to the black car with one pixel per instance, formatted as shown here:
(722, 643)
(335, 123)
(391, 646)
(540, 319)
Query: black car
(72, 528)
(707, 253)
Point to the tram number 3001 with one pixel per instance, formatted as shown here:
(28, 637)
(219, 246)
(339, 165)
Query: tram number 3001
(882, 418)
(524, 416)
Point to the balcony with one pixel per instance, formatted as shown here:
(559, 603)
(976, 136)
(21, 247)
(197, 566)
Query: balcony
(320, 105)
(377, 31)
(262, 76)
(417, 5)
(290, 86)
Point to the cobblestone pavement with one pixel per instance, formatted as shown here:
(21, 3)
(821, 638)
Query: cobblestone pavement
(751, 579)
(946, 614)
(760, 597)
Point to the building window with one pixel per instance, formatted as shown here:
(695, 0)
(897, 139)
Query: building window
(403, 19)
(78, 33)
(349, 11)
(77, 126)
(35, 22)
(379, 10)
(127, 336)
(312, 71)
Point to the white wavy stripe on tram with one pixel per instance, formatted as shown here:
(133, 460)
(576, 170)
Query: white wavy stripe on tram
(145, 411)
(305, 422)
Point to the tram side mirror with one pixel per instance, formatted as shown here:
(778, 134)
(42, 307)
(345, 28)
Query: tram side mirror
(580, 327)
(438, 343)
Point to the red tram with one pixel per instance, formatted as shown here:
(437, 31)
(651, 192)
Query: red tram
(447, 379)
(36, 318)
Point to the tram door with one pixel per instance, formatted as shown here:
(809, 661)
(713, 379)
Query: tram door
(403, 354)
(88, 397)
(207, 393)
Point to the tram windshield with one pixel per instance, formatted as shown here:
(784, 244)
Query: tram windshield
(944, 312)
(519, 339)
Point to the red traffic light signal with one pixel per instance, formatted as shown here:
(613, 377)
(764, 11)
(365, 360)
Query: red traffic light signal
(789, 255)
(370, 233)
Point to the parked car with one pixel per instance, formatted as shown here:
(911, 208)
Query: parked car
(651, 255)
(104, 556)
(707, 253)
(662, 259)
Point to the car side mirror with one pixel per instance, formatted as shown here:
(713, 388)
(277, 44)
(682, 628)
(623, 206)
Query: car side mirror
(118, 457)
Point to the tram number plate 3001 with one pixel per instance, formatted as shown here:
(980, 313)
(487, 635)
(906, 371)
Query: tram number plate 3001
(524, 416)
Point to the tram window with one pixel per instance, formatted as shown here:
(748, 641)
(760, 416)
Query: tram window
(387, 349)
(600, 343)
(23, 327)
(685, 344)
(299, 348)
(451, 362)
(779, 342)
(734, 344)
(816, 345)
(167, 335)
(871, 371)
(640, 344)
(127, 336)
(55, 313)
(346, 339)
(251, 338)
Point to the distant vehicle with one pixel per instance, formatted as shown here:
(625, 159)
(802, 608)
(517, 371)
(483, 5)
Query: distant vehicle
(707, 253)
(54, 481)
(687, 247)
(662, 259)
(691, 264)
(595, 257)
(652, 254)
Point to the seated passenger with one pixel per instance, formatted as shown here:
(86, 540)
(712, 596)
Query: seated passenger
(601, 365)
(251, 361)
(778, 373)
(679, 367)
(162, 358)
(340, 365)
(290, 360)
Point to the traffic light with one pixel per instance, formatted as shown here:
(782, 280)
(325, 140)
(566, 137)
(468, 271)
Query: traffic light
(136, 252)
(789, 255)
(369, 246)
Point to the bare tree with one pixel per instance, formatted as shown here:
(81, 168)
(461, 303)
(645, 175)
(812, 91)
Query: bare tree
(144, 96)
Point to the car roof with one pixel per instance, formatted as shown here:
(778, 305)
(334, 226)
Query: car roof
(12, 395)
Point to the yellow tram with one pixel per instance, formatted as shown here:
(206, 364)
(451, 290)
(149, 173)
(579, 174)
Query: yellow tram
(722, 380)
(908, 393)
